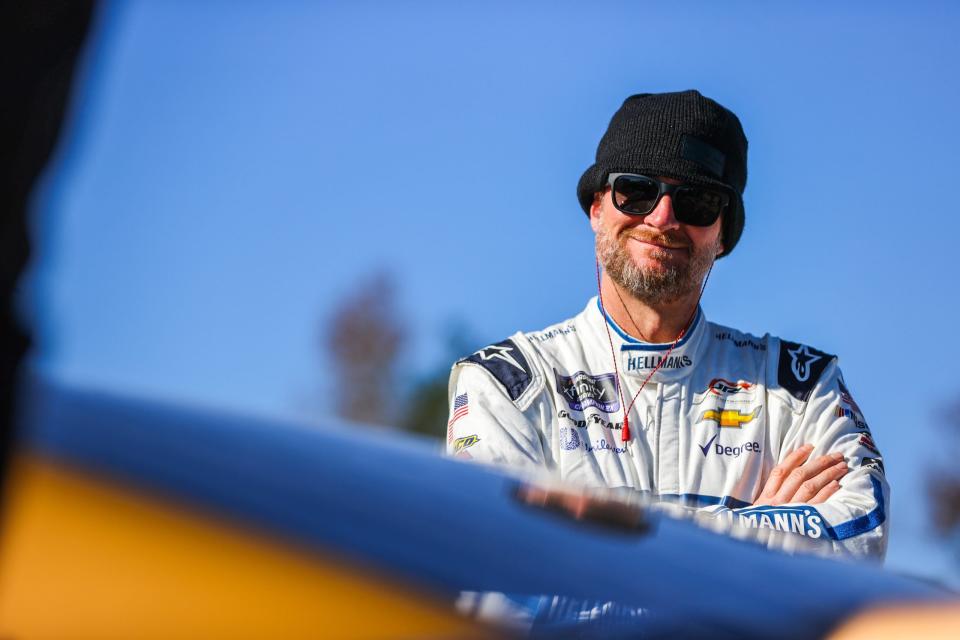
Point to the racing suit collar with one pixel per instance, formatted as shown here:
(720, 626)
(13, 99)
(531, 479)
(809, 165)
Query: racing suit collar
(638, 358)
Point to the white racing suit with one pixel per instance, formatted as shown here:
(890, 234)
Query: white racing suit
(724, 408)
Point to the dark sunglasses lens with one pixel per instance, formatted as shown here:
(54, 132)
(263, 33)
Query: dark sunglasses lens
(698, 207)
(635, 194)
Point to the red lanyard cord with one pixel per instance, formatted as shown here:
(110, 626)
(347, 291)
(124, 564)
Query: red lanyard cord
(625, 433)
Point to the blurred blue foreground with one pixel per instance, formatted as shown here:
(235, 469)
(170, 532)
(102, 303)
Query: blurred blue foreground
(390, 504)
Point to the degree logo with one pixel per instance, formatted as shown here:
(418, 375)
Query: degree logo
(734, 452)
(732, 418)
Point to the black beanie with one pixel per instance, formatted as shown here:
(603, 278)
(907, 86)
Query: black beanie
(680, 135)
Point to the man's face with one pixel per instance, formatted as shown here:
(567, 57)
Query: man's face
(654, 257)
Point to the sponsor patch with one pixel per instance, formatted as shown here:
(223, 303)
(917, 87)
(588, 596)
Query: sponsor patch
(873, 463)
(460, 408)
(805, 521)
(582, 390)
(800, 368)
(865, 440)
(507, 364)
(593, 418)
(730, 418)
(723, 450)
(724, 388)
(465, 443)
(847, 398)
(604, 445)
(740, 342)
(569, 439)
(843, 412)
(544, 336)
(563, 413)
(639, 362)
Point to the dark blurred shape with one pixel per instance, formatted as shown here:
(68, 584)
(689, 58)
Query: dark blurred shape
(427, 407)
(39, 46)
(943, 485)
(602, 510)
(365, 336)
(945, 494)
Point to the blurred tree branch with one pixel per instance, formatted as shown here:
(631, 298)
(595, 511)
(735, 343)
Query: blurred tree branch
(365, 337)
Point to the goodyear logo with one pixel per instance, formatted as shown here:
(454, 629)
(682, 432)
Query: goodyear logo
(731, 418)
(465, 443)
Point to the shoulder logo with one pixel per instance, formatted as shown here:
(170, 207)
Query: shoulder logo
(800, 367)
(800, 361)
(500, 352)
(507, 364)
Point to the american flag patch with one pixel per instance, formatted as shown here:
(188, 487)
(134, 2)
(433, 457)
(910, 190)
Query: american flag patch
(460, 409)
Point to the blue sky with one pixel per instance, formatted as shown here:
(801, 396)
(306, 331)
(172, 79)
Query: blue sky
(213, 198)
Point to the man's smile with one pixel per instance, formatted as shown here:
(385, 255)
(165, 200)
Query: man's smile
(659, 244)
(658, 248)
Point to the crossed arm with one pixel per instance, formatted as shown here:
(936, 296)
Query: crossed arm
(798, 479)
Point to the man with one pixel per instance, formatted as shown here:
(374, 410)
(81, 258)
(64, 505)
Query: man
(639, 391)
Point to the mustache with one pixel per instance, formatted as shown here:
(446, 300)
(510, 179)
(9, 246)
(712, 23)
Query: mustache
(674, 240)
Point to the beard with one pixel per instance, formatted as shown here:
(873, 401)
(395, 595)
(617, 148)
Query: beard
(666, 283)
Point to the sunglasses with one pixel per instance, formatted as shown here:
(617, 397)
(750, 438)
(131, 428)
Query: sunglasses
(638, 195)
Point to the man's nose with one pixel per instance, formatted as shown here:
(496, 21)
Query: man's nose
(662, 216)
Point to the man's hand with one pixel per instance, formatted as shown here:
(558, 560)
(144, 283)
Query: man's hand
(606, 511)
(810, 483)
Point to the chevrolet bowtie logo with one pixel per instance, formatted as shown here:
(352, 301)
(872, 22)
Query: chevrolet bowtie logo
(729, 417)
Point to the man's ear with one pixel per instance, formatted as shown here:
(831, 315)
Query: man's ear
(720, 247)
(595, 210)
